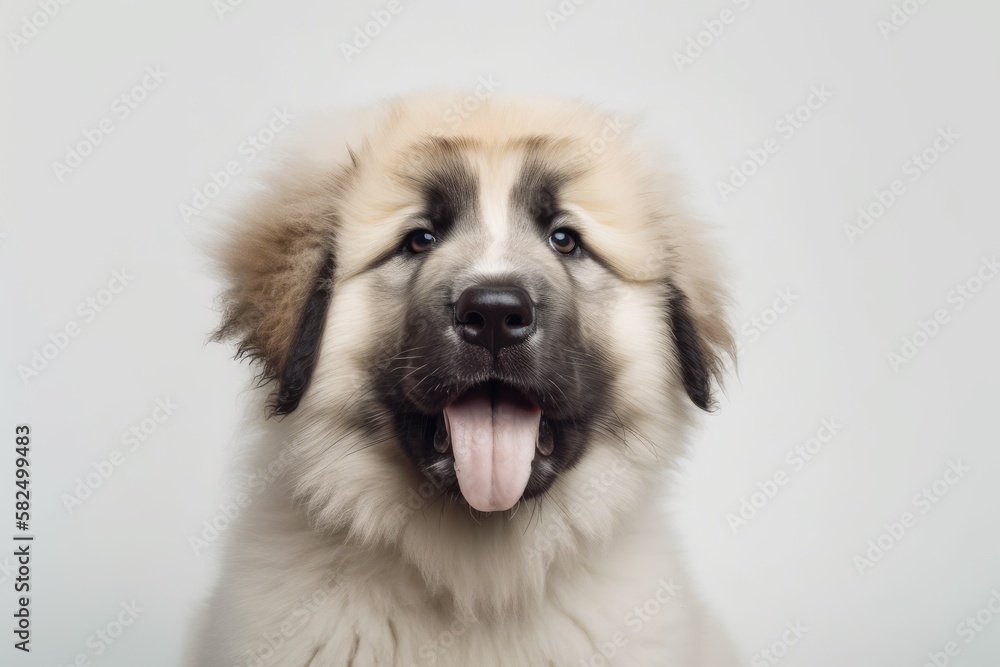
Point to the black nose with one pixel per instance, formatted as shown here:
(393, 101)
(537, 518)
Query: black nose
(495, 317)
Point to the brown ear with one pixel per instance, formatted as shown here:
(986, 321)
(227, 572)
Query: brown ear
(279, 265)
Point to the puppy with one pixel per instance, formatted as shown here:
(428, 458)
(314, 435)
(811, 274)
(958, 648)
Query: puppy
(483, 341)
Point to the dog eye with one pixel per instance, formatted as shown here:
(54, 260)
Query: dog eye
(564, 241)
(419, 240)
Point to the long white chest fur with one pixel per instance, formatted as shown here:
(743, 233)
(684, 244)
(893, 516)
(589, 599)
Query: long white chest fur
(290, 596)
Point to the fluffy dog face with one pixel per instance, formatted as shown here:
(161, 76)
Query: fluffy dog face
(495, 371)
(494, 313)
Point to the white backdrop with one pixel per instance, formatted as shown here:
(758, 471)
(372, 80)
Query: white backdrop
(902, 124)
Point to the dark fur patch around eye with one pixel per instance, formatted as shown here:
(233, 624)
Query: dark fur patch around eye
(695, 371)
(449, 195)
(440, 207)
(448, 186)
(536, 192)
(545, 206)
(304, 353)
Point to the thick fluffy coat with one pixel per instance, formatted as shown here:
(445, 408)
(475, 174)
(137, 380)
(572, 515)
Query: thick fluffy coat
(359, 547)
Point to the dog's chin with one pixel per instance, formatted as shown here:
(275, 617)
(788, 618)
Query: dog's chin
(488, 444)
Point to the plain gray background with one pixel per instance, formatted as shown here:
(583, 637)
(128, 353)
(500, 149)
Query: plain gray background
(825, 357)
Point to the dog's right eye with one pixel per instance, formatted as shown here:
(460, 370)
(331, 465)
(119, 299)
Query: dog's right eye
(419, 240)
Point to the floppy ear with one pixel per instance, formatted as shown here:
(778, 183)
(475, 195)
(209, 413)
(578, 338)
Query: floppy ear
(304, 352)
(279, 264)
(702, 340)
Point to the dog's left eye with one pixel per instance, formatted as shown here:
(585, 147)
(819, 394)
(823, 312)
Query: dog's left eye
(564, 241)
(419, 240)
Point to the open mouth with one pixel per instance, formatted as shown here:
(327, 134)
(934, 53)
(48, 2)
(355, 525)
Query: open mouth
(493, 432)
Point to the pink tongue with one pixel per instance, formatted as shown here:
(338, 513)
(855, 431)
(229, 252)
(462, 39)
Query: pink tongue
(494, 443)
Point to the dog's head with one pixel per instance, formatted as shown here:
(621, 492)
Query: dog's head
(474, 315)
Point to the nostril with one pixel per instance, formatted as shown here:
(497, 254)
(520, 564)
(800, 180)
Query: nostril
(514, 321)
(471, 319)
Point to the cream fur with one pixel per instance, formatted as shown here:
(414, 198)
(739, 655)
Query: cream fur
(348, 558)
